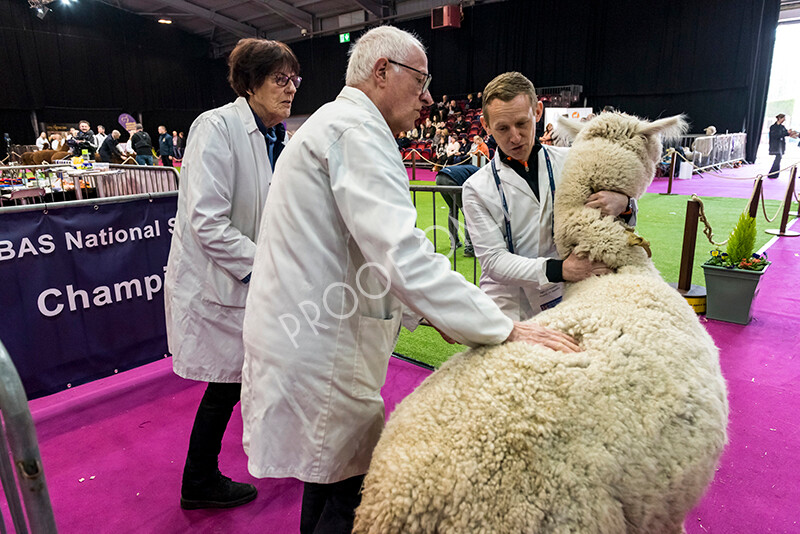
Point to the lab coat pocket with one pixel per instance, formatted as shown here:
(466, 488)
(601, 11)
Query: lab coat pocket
(224, 289)
(373, 348)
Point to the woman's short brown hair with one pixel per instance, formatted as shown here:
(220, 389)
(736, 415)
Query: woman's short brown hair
(254, 59)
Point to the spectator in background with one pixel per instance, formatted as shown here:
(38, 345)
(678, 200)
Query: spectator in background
(439, 138)
(100, 136)
(452, 108)
(456, 176)
(479, 146)
(777, 143)
(479, 99)
(165, 146)
(608, 109)
(83, 139)
(403, 141)
(108, 151)
(176, 146)
(471, 102)
(56, 142)
(447, 153)
(128, 148)
(143, 146)
(442, 105)
(41, 142)
(547, 136)
(460, 126)
(429, 130)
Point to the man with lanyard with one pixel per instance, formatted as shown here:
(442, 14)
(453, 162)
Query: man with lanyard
(508, 206)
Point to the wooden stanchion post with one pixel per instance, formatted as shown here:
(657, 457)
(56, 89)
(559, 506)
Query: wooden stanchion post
(695, 295)
(752, 206)
(787, 204)
(414, 165)
(672, 167)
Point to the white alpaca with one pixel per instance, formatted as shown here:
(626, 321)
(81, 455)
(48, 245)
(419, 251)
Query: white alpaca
(623, 437)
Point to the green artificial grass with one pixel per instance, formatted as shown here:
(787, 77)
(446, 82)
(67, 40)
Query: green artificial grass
(661, 221)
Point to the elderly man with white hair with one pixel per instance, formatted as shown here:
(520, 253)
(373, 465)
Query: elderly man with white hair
(339, 267)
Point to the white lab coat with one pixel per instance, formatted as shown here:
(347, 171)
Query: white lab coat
(321, 323)
(223, 188)
(516, 282)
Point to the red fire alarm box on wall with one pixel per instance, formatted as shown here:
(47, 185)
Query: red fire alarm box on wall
(446, 17)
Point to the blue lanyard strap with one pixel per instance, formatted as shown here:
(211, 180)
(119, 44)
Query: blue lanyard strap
(507, 213)
(552, 191)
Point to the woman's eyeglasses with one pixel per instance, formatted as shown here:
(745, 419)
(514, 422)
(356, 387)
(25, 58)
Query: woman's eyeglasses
(282, 79)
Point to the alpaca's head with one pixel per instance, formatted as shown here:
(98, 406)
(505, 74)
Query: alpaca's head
(619, 151)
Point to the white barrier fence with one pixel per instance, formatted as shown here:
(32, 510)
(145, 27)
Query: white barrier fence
(22, 184)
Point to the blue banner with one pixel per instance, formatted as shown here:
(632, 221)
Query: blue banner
(82, 290)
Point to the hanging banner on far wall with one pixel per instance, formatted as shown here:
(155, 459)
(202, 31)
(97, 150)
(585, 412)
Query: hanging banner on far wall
(127, 122)
(82, 290)
(551, 114)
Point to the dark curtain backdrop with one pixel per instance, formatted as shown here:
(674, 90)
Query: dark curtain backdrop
(710, 60)
(92, 61)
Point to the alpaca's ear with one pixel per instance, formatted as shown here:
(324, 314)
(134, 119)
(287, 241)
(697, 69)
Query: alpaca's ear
(669, 128)
(569, 127)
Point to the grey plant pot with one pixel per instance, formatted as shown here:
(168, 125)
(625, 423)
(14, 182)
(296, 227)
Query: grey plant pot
(730, 293)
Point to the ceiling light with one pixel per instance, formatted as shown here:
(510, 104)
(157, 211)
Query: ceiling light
(165, 21)
(40, 7)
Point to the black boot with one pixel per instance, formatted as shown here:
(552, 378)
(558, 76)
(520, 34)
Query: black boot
(218, 491)
(203, 485)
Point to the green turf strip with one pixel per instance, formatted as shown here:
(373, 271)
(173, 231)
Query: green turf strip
(661, 221)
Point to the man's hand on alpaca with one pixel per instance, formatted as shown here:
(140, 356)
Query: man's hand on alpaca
(536, 334)
(608, 202)
(576, 268)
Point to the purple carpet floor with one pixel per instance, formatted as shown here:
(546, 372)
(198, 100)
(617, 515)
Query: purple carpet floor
(730, 183)
(113, 449)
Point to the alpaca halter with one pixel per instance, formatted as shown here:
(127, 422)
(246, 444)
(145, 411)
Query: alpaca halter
(635, 240)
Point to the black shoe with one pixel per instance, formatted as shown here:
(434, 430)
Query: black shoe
(218, 492)
(469, 252)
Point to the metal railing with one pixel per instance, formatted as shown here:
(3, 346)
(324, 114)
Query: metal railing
(711, 151)
(20, 456)
(438, 226)
(60, 182)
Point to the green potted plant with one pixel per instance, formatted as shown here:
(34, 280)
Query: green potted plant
(732, 276)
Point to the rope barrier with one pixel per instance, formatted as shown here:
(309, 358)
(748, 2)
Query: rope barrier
(695, 167)
(423, 158)
(764, 208)
(709, 233)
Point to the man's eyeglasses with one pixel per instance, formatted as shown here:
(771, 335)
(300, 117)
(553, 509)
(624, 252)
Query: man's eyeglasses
(426, 81)
(282, 79)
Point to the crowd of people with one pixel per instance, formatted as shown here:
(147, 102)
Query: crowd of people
(111, 148)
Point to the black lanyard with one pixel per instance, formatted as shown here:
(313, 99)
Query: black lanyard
(507, 213)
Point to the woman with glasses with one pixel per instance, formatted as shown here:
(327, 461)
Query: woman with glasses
(225, 176)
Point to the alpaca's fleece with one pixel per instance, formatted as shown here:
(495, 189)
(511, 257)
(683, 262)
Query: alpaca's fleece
(614, 152)
(620, 438)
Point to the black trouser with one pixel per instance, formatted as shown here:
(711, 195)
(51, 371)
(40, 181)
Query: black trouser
(166, 161)
(210, 423)
(455, 203)
(330, 508)
(776, 166)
